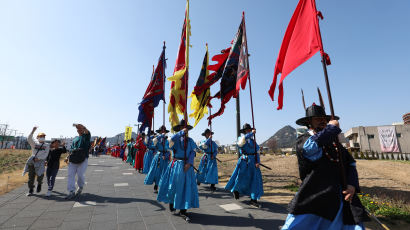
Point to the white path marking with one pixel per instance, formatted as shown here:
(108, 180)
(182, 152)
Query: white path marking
(84, 204)
(230, 207)
(120, 184)
(126, 174)
(60, 177)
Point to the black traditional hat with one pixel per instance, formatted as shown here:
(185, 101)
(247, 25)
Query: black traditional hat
(314, 111)
(207, 131)
(162, 129)
(151, 133)
(245, 127)
(180, 126)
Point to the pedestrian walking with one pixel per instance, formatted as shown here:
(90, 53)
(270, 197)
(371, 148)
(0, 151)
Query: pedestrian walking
(322, 202)
(177, 186)
(78, 161)
(140, 151)
(246, 179)
(53, 163)
(35, 165)
(208, 167)
(161, 159)
(149, 154)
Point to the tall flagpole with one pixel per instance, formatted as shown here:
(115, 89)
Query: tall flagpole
(163, 101)
(186, 77)
(250, 84)
(210, 122)
(238, 122)
(329, 96)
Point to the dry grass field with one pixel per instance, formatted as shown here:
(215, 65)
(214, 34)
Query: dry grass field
(12, 163)
(384, 181)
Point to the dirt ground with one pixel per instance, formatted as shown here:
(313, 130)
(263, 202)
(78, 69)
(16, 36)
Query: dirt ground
(385, 179)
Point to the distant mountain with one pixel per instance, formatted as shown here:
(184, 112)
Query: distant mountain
(283, 138)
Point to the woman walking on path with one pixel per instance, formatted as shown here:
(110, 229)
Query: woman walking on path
(53, 163)
(78, 160)
(35, 164)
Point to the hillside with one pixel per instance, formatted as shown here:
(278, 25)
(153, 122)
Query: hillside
(283, 138)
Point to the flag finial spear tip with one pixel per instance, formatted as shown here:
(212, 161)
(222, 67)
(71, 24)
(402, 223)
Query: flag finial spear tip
(243, 13)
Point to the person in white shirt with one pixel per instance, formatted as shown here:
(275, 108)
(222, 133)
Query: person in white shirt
(36, 162)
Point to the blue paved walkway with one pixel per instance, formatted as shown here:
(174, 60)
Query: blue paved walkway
(115, 197)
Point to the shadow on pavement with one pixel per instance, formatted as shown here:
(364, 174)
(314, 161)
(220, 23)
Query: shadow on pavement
(234, 221)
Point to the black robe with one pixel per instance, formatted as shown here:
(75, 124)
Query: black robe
(320, 191)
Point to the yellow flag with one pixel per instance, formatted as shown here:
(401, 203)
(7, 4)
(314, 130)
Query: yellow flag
(199, 100)
(179, 85)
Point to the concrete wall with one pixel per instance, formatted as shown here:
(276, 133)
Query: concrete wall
(361, 135)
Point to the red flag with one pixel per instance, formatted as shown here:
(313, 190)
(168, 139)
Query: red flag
(302, 40)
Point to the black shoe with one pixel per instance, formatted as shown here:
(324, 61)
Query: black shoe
(30, 192)
(171, 208)
(183, 214)
(254, 203)
(38, 188)
(236, 195)
(213, 188)
(155, 188)
(198, 183)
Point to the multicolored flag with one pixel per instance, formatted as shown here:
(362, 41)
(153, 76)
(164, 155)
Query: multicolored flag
(178, 93)
(200, 99)
(153, 94)
(217, 74)
(236, 69)
(302, 40)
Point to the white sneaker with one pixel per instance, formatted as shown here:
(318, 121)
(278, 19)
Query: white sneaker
(70, 195)
(79, 191)
(48, 193)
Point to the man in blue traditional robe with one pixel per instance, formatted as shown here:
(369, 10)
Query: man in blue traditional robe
(247, 177)
(323, 202)
(208, 167)
(178, 186)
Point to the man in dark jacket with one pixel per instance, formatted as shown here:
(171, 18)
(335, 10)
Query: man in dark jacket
(78, 160)
(53, 163)
(327, 196)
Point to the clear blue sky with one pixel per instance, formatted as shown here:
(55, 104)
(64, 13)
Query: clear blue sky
(89, 61)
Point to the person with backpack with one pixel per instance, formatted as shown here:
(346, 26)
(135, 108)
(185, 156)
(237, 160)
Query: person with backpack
(78, 160)
(36, 162)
